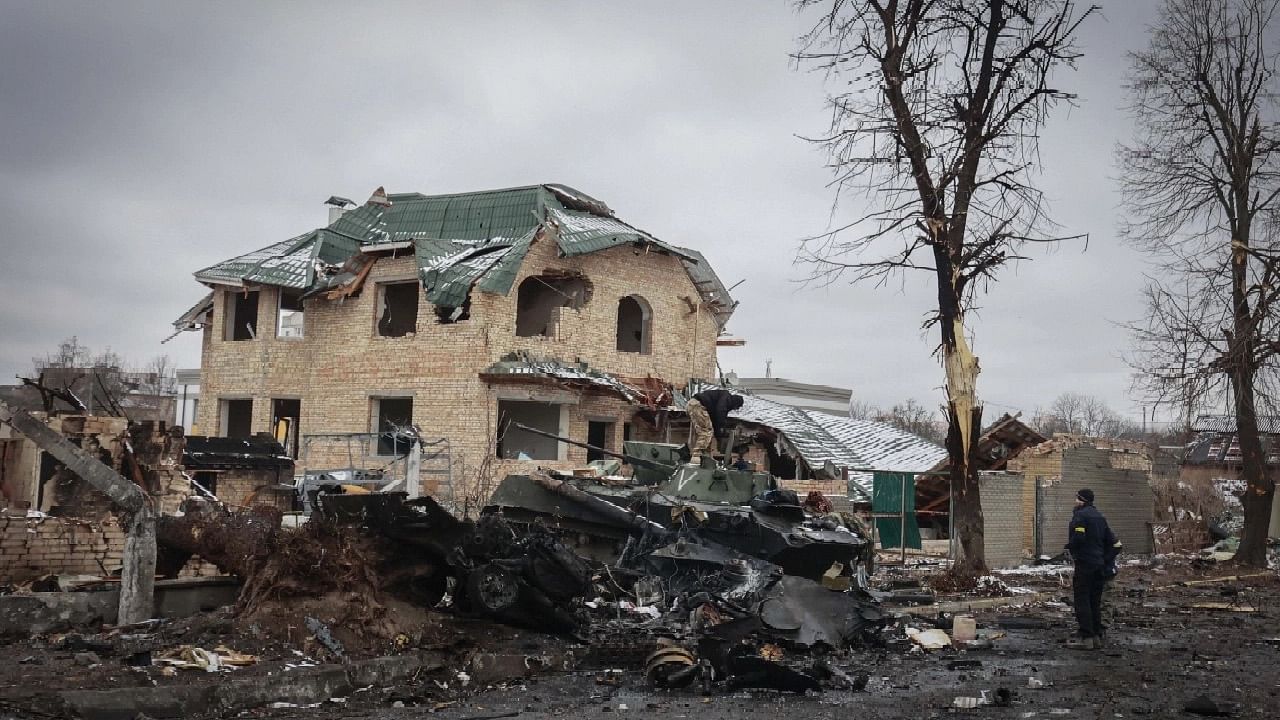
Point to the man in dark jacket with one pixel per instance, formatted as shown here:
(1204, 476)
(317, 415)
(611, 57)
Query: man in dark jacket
(1093, 547)
(709, 419)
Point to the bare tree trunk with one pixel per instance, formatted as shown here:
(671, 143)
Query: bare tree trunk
(138, 579)
(964, 422)
(1259, 488)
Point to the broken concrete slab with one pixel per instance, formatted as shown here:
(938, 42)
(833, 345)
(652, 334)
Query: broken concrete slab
(46, 612)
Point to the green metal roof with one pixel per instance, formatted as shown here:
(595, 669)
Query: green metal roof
(460, 241)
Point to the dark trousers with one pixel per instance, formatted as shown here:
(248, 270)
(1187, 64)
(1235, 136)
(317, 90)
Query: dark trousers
(1088, 584)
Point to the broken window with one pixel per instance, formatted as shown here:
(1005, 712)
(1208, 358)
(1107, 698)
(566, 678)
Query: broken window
(446, 315)
(634, 322)
(517, 444)
(397, 309)
(390, 416)
(285, 415)
(289, 316)
(599, 434)
(241, 311)
(540, 298)
(237, 418)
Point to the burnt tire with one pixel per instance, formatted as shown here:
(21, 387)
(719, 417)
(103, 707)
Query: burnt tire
(492, 588)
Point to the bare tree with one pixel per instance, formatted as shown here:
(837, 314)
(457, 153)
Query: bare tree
(862, 410)
(159, 376)
(938, 129)
(1201, 180)
(1081, 414)
(916, 419)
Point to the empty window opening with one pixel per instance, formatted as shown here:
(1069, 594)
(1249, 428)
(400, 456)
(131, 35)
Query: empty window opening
(540, 299)
(781, 465)
(517, 444)
(634, 322)
(289, 316)
(446, 315)
(398, 309)
(207, 480)
(237, 418)
(391, 416)
(286, 414)
(599, 434)
(626, 432)
(241, 311)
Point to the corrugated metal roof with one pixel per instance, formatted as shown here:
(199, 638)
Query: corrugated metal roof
(1268, 424)
(882, 445)
(809, 438)
(234, 270)
(486, 234)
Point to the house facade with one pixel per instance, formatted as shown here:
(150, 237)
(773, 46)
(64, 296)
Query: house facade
(458, 315)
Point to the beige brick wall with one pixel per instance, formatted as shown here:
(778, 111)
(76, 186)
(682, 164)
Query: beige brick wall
(341, 363)
(31, 548)
(1006, 519)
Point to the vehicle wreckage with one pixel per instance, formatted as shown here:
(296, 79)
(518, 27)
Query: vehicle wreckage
(694, 572)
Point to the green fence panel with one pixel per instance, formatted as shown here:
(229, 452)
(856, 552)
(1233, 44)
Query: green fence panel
(887, 496)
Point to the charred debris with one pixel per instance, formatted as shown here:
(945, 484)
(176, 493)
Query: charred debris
(700, 575)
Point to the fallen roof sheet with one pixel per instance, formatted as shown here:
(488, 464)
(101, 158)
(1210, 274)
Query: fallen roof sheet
(520, 366)
(461, 241)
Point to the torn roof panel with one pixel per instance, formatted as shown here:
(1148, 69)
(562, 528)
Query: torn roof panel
(582, 233)
(193, 319)
(713, 291)
(448, 278)
(522, 365)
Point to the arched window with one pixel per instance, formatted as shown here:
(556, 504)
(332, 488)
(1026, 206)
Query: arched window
(635, 322)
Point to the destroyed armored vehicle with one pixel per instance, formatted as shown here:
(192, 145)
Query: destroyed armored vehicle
(666, 496)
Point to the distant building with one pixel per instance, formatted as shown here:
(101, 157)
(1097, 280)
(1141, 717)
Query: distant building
(806, 396)
(1214, 455)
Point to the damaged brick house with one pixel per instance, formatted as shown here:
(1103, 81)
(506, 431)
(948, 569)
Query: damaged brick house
(456, 314)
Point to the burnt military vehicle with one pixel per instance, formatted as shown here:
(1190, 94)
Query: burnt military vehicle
(667, 498)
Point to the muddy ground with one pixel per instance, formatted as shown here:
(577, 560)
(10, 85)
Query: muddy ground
(1180, 630)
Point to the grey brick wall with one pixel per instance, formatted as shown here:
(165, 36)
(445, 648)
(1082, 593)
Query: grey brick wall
(1123, 496)
(1003, 518)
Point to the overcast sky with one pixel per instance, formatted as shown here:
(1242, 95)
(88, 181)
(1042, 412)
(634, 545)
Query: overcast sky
(140, 142)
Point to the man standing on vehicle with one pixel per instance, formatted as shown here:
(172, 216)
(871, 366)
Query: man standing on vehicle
(1093, 547)
(709, 419)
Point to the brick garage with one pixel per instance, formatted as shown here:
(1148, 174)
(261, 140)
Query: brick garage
(341, 366)
(1119, 473)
